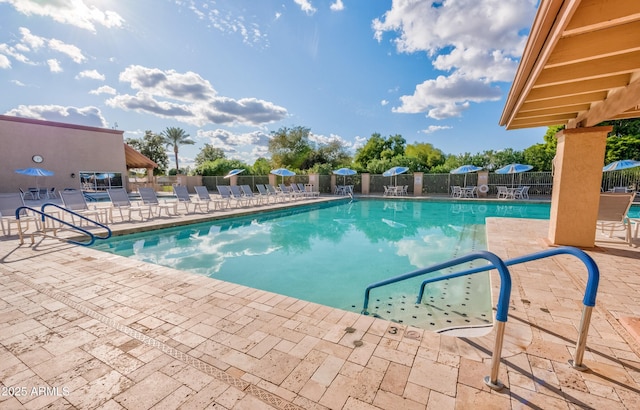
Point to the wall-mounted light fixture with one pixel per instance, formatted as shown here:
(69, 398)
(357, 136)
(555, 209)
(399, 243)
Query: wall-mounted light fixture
(73, 175)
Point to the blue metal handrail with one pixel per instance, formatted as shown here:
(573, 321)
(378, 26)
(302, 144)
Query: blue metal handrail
(502, 309)
(592, 270)
(44, 215)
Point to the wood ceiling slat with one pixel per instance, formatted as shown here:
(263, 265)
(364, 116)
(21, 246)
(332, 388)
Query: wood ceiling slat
(564, 101)
(602, 67)
(567, 109)
(579, 87)
(571, 49)
(598, 13)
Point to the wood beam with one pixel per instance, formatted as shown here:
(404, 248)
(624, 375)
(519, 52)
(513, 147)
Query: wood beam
(617, 102)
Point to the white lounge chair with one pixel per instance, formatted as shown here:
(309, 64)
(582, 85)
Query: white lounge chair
(120, 201)
(149, 197)
(9, 203)
(612, 214)
(264, 193)
(183, 196)
(248, 195)
(74, 201)
(237, 195)
(203, 196)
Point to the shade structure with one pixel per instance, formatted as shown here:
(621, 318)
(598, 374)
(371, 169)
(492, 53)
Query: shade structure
(620, 165)
(35, 172)
(283, 172)
(465, 169)
(233, 172)
(345, 172)
(514, 169)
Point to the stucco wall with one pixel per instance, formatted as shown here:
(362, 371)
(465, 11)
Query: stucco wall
(66, 149)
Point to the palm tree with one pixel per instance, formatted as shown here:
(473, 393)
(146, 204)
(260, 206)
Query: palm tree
(174, 137)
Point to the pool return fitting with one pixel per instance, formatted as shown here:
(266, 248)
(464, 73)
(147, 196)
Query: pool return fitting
(502, 308)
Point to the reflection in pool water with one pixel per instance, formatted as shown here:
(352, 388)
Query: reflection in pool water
(329, 253)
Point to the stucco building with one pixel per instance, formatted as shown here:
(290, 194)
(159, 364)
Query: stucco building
(80, 157)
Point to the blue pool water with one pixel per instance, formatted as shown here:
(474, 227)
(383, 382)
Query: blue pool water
(329, 253)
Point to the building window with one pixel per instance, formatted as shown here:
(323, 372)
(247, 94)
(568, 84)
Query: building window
(100, 180)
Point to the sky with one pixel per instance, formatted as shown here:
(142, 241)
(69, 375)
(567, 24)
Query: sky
(231, 72)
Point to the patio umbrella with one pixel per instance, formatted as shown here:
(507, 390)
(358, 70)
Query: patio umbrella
(394, 172)
(344, 172)
(233, 172)
(283, 172)
(465, 169)
(514, 169)
(620, 165)
(34, 172)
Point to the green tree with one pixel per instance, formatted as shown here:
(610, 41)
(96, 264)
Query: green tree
(624, 147)
(208, 153)
(219, 167)
(152, 147)
(174, 137)
(290, 147)
(378, 147)
(261, 166)
(426, 155)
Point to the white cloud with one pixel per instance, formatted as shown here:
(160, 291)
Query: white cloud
(384, 102)
(91, 74)
(70, 50)
(89, 116)
(105, 89)
(306, 6)
(189, 98)
(18, 83)
(54, 65)
(72, 12)
(337, 6)
(31, 43)
(4, 61)
(434, 128)
(477, 42)
(243, 146)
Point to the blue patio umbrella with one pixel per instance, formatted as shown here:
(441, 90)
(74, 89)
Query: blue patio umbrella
(514, 169)
(465, 169)
(283, 172)
(233, 172)
(394, 172)
(344, 172)
(35, 172)
(620, 165)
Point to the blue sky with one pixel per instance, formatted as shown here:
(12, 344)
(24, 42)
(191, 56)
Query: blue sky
(230, 72)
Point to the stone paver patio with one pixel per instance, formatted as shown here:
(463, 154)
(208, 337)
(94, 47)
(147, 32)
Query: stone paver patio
(84, 329)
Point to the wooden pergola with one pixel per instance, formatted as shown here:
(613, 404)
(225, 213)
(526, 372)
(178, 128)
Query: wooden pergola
(580, 67)
(135, 159)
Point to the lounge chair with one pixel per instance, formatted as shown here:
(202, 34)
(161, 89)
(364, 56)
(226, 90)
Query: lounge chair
(277, 194)
(248, 194)
(203, 196)
(183, 196)
(612, 214)
(503, 192)
(28, 193)
(225, 194)
(287, 191)
(120, 202)
(297, 192)
(236, 194)
(149, 197)
(74, 201)
(9, 203)
(263, 192)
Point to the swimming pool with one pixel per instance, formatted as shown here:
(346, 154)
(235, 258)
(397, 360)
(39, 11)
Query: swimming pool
(329, 252)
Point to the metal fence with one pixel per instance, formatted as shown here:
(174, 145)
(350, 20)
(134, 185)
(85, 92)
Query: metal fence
(540, 183)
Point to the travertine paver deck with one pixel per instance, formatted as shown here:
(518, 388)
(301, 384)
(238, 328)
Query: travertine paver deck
(84, 329)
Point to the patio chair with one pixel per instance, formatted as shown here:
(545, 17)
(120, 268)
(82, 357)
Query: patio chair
(120, 202)
(612, 214)
(295, 190)
(9, 203)
(204, 197)
(503, 192)
(263, 192)
(183, 196)
(456, 191)
(288, 190)
(28, 193)
(74, 201)
(225, 194)
(247, 193)
(237, 194)
(277, 194)
(149, 197)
